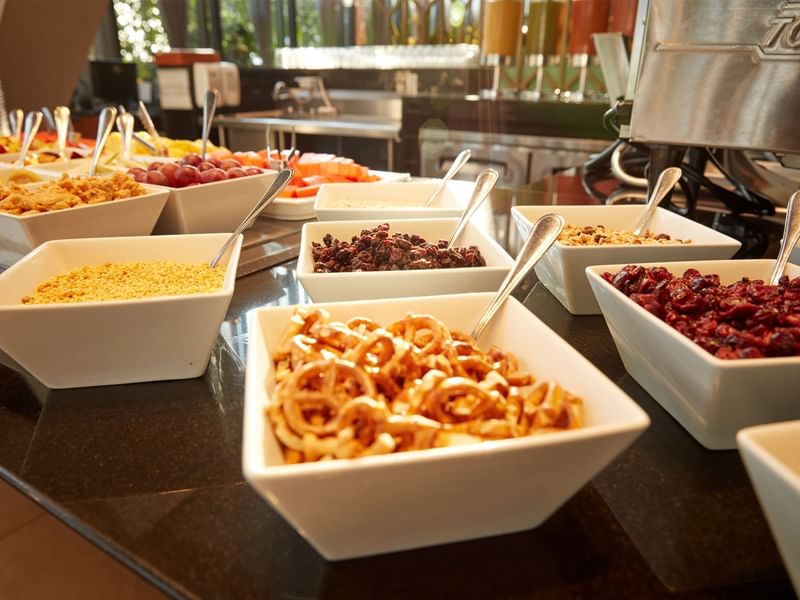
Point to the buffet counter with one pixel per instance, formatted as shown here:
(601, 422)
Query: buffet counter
(151, 473)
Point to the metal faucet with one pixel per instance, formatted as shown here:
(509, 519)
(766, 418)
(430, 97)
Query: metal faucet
(315, 83)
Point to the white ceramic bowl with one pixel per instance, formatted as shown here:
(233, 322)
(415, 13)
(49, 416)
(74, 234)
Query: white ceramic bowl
(333, 287)
(711, 397)
(212, 207)
(108, 343)
(353, 201)
(302, 209)
(370, 505)
(562, 269)
(771, 454)
(131, 216)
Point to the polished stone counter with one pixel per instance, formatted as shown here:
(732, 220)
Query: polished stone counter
(152, 474)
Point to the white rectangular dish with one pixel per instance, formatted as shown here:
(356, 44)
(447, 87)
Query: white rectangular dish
(302, 209)
(711, 397)
(349, 508)
(19, 234)
(212, 207)
(353, 201)
(562, 269)
(771, 454)
(124, 341)
(332, 287)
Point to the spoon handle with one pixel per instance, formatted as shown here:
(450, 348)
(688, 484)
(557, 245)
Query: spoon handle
(457, 165)
(483, 185)
(147, 122)
(791, 233)
(16, 117)
(104, 126)
(664, 184)
(61, 115)
(125, 124)
(543, 233)
(32, 122)
(209, 108)
(280, 182)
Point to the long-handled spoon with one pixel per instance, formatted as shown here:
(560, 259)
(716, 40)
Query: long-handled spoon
(791, 233)
(483, 185)
(147, 122)
(664, 184)
(457, 165)
(125, 124)
(61, 116)
(16, 117)
(151, 147)
(280, 182)
(104, 125)
(32, 122)
(209, 108)
(543, 233)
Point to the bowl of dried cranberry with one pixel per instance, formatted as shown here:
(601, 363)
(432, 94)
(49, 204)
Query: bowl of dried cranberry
(717, 347)
(363, 260)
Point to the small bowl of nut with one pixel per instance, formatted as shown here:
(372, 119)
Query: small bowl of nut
(107, 311)
(596, 235)
(359, 260)
(380, 426)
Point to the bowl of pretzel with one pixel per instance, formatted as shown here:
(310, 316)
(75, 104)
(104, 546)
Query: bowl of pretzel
(374, 429)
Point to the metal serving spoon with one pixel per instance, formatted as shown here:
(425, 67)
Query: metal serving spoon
(32, 122)
(16, 117)
(457, 165)
(543, 233)
(280, 182)
(483, 185)
(125, 124)
(209, 108)
(791, 233)
(104, 125)
(61, 116)
(147, 122)
(664, 184)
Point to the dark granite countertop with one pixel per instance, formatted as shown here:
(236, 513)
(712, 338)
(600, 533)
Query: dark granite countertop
(152, 474)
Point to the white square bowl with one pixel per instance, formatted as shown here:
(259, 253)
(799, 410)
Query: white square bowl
(19, 234)
(212, 207)
(122, 341)
(562, 269)
(357, 507)
(335, 201)
(333, 287)
(771, 454)
(711, 397)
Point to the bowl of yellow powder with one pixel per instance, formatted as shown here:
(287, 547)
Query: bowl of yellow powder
(106, 311)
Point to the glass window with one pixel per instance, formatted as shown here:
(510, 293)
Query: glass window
(239, 44)
(141, 32)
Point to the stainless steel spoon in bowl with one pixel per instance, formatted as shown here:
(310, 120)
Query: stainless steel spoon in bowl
(791, 234)
(483, 185)
(209, 108)
(61, 115)
(280, 182)
(125, 125)
(104, 125)
(665, 182)
(16, 118)
(147, 122)
(543, 233)
(32, 122)
(457, 165)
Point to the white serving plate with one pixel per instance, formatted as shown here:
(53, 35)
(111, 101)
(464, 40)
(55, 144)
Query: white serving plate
(370, 505)
(711, 397)
(131, 216)
(390, 200)
(771, 454)
(333, 287)
(124, 341)
(302, 209)
(562, 269)
(212, 207)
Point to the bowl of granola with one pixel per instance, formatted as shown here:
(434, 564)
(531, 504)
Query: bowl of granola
(75, 207)
(596, 235)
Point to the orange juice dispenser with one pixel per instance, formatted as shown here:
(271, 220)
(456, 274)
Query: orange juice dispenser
(501, 35)
(543, 40)
(587, 17)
